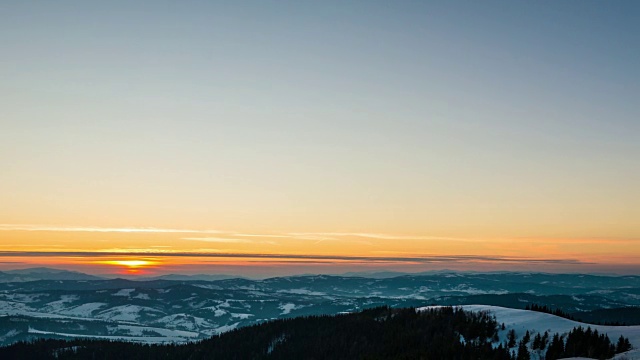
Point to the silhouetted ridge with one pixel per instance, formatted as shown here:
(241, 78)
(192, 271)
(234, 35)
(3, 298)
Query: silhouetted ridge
(378, 333)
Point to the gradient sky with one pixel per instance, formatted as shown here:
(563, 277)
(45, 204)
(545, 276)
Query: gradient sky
(401, 135)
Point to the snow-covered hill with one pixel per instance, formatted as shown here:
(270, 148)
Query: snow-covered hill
(102, 307)
(536, 322)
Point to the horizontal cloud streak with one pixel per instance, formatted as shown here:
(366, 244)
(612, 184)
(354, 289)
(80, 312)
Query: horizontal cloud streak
(12, 227)
(228, 240)
(309, 236)
(333, 235)
(283, 236)
(397, 259)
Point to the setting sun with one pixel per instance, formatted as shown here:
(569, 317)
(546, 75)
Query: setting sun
(132, 267)
(132, 263)
(320, 179)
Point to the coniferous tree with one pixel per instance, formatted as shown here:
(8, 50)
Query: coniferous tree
(536, 342)
(378, 333)
(623, 345)
(523, 352)
(582, 342)
(511, 337)
(544, 340)
(555, 349)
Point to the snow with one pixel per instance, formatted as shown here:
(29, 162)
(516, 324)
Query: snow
(22, 298)
(241, 316)
(225, 328)
(302, 292)
(41, 315)
(124, 292)
(524, 320)
(10, 307)
(129, 313)
(537, 322)
(56, 306)
(207, 286)
(84, 310)
(473, 291)
(275, 342)
(287, 308)
(185, 321)
(629, 355)
(218, 313)
(9, 334)
(139, 339)
(142, 296)
(140, 331)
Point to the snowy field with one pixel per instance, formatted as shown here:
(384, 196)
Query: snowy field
(536, 322)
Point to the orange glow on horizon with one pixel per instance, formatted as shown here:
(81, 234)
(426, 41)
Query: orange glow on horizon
(157, 251)
(130, 263)
(131, 266)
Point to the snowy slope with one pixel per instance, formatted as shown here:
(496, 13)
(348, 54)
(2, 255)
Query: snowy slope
(523, 320)
(139, 339)
(537, 322)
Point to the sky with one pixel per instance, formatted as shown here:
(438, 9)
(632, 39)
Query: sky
(282, 137)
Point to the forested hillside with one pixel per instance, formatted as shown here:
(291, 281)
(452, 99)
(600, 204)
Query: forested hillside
(380, 333)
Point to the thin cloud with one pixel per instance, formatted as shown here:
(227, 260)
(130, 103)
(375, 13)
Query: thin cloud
(338, 236)
(581, 241)
(379, 236)
(302, 235)
(14, 227)
(311, 236)
(228, 240)
(317, 238)
(264, 235)
(396, 259)
(129, 250)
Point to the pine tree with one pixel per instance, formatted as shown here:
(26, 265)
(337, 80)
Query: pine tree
(544, 340)
(556, 348)
(623, 345)
(511, 336)
(536, 342)
(523, 352)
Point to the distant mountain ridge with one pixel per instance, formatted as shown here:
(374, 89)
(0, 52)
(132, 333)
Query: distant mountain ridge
(194, 277)
(182, 310)
(44, 273)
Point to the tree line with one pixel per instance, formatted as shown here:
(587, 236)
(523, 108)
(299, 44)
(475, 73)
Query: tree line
(377, 333)
(559, 312)
(548, 310)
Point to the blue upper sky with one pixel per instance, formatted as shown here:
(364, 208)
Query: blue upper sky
(453, 118)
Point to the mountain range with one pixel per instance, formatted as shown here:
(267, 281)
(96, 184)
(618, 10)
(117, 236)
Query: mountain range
(162, 310)
(43, 273)
(433, 332)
